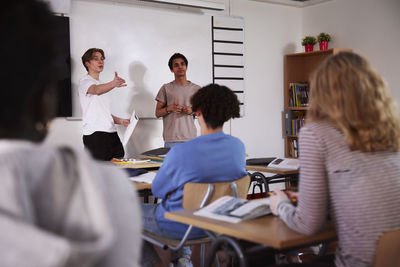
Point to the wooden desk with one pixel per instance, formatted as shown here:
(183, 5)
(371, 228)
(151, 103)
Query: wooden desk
(281, 175)
(144, 189)
(141, 186)
(268, 230)
(260, 168)
(146, 165)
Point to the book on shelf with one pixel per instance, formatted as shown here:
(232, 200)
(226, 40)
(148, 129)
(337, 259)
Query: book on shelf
(293, 148)
(297, 124)
(288, 117)
(298, 94)
(294, 120)
(234, 210)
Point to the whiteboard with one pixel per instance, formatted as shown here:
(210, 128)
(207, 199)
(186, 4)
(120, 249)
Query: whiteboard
(138, 42)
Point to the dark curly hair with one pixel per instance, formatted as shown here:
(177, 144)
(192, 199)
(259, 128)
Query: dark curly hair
(217, 104)
(27, 96)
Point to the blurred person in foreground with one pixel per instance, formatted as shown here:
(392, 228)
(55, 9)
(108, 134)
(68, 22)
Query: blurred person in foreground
(58, 207)
(349, 161)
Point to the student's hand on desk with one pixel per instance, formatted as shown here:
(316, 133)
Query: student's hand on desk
(292, 195)
(276, 196)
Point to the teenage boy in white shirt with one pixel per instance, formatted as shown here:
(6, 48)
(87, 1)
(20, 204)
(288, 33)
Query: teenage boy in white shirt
(99, 133)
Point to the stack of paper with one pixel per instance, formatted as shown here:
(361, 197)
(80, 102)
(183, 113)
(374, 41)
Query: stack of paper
(147, 177)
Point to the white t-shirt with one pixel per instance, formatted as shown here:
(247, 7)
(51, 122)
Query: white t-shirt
(95, 108)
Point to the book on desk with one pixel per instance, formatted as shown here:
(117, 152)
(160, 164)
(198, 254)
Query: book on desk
(234, 210)
(157, 154)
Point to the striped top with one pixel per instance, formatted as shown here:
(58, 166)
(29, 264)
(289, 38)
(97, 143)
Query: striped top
(360, 191)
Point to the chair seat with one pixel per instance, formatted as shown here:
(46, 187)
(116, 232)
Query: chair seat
(175, 242)
(387, 250)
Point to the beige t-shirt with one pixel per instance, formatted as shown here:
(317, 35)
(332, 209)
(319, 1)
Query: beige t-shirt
(178, 127)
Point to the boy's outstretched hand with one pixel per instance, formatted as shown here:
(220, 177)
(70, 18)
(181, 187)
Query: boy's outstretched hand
(118, 81)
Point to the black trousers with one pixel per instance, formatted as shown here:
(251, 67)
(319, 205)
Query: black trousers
(103, 145)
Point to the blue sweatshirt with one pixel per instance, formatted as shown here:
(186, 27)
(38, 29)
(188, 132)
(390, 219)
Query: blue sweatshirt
(215, 157)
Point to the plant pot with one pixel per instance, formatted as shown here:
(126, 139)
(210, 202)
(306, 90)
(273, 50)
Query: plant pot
(323, 45)
(309, 48)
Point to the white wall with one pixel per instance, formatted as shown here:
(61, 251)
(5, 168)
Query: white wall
(273, 30)
(368, 27)
(270, 32)
(138, 42)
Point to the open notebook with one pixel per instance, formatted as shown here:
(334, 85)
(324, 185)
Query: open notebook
(232, 209)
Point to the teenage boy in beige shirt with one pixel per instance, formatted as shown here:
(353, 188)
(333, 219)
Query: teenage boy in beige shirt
(173, 104)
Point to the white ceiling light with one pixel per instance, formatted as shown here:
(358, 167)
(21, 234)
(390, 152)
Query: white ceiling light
(193, 3)
(296, 3)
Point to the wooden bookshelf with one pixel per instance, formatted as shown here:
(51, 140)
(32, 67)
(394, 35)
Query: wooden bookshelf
(297, 68)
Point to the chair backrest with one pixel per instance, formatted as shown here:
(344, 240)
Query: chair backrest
(388, 249)
(193, 193)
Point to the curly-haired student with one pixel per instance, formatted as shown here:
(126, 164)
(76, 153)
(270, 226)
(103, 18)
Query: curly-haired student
(212, 157)
(349, 160)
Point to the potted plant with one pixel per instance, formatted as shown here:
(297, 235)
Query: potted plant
(323, 39)
(308, 42)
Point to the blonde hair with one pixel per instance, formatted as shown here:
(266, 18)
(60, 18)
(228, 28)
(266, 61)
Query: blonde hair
(346, 91)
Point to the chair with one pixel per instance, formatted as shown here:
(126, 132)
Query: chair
(197, 195)
(388, 249)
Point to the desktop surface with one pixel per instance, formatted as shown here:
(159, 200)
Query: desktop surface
(268, 230)
(260, 168)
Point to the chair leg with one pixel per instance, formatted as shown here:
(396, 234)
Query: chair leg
(202, 254)
(322, 250)
(226, 240)
(216, 260)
